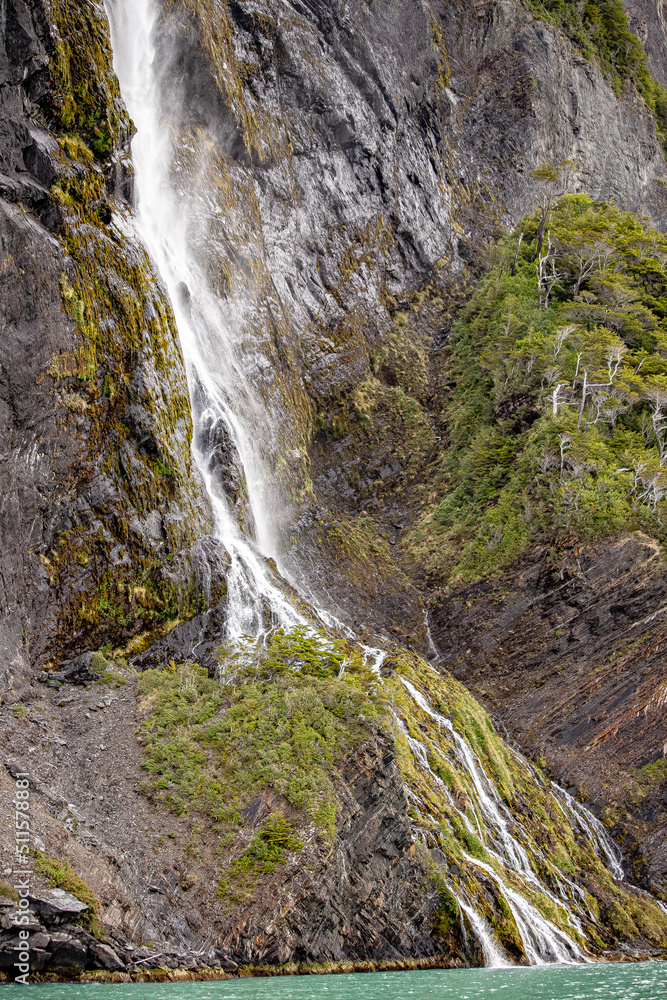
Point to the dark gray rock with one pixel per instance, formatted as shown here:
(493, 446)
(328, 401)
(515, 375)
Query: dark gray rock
(225, 962)
(102, 956)
(369, 899)
(40, 960)
(78, 671)
(67, 954)
(54, 479)
(58, 907)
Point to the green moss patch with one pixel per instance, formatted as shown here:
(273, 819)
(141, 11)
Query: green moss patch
(282, 719)
(61, 875)
(86, 106)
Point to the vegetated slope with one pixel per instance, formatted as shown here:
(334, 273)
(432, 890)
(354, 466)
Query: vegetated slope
(318, 803)
(557, 422)
(270, 756)
(556, 450)
(379, 435)
(604, 35)
(376, 183)
(362, 155)
(427, 136)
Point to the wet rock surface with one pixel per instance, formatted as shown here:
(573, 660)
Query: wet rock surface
(373, 151)
(83, 494)
(570, 659)
(368, 154)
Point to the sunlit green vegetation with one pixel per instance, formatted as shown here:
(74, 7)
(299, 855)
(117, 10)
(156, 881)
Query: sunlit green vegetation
(559, 420)
(281, 717)
(60, 875)
(267, 851)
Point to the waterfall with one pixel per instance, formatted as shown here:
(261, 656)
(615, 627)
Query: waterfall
(223, 375)
(171, 219)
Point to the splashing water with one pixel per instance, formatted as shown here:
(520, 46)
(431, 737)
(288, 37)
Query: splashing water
(227, 407)
(170, 208)
(494, 956)
(504, 836)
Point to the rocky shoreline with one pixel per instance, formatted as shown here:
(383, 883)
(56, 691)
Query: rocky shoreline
(165, 974)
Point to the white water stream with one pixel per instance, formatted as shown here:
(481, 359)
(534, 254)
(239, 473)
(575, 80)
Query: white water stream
(542, 940)
(222, 375)
(171, 216)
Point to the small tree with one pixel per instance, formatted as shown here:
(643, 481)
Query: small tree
(553, 181)
(657, 397)
(548, 275)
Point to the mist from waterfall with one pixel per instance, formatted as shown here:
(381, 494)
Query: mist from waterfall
(223, 371)
(171, 211)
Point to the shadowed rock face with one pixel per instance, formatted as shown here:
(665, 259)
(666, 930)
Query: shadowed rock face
(571, 659)
(370, 900)
(387, 142)
(88, 426)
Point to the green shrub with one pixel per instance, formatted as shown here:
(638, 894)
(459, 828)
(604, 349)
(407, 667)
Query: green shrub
(269, 848)
(8, 891)
(281, 717)
(557, 424)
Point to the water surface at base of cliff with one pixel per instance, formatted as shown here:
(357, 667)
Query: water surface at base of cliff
(641, 981)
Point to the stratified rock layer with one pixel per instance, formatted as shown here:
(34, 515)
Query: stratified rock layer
(571, 659)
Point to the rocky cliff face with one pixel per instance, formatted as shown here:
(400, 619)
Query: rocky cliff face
(359, 210)
(648, 20)
(571, 660)
(363, 179)
(102, 511)
(362, 157)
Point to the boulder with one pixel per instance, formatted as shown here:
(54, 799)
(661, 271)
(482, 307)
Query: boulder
(226, 963)
(102, 956)
(67, 954)
(16, 924)
(79, 671)
(39, 959)
(57, 907)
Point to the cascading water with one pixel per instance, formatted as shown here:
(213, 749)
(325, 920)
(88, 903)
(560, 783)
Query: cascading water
(171, 215)
(223, 373)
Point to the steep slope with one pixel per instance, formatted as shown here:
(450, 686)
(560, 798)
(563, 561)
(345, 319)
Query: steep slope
(102, 511)
(649, 23)
(359, 183)
(342, 169)
(296, 816)
(551, 492)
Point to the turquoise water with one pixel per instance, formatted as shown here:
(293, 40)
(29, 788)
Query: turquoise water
(643, 981)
